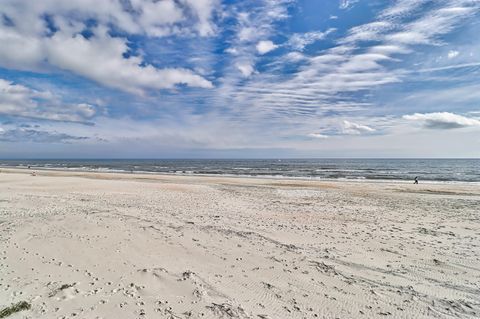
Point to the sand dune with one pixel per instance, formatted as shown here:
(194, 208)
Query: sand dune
(87, 245)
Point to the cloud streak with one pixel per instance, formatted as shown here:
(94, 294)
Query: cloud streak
(351, 128)
(36, 136)
(443, 120)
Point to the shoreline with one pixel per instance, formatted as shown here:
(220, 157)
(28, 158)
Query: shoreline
(75, 171)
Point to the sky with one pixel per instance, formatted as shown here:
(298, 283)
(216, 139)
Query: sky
(239, 79)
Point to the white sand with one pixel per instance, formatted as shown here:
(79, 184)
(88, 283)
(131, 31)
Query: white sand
(88, 245)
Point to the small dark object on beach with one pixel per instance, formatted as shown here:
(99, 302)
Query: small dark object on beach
(65, 286)
(62, 287)
(416, 180)
(19, 306)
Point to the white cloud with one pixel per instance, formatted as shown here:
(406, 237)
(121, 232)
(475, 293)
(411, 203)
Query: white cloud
(368, 32)
(264, 47)
(347, 4)
(298, 41)
(149, 17)
(318, 135)
(409, 37)
(34, 44)
(157, 17)
(447, 67)
(204, 10)
(364, 62)
(101, 59)
(389, 49)
(401, 8)
(294, 56)
(452, 54)
(247, 34)
(350, 128)
(443, 120)
(437, 22)
(233, 51)
(255, 21)
(21, 101)
(246, 68)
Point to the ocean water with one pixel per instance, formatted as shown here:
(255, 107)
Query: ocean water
(440, 170)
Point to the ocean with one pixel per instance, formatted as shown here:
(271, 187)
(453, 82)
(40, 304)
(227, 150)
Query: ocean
(434, 170)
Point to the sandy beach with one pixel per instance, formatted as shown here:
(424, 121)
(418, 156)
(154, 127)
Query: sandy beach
(91, 245)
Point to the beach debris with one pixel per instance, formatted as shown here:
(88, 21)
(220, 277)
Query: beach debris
(187, 275)
(323, 267)
(14, 308)
(62, 287)
(226, 310)
(425, 231)
(267, 285)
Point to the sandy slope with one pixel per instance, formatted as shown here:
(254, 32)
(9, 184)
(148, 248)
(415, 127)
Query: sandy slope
(134, 246)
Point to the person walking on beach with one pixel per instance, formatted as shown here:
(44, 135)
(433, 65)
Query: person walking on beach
(416, 180)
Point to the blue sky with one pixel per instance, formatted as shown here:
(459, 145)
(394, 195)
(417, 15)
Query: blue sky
(260, 78)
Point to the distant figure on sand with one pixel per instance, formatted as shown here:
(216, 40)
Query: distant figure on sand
(416, 180)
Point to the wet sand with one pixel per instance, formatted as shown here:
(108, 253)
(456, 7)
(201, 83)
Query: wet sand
(90, 245)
